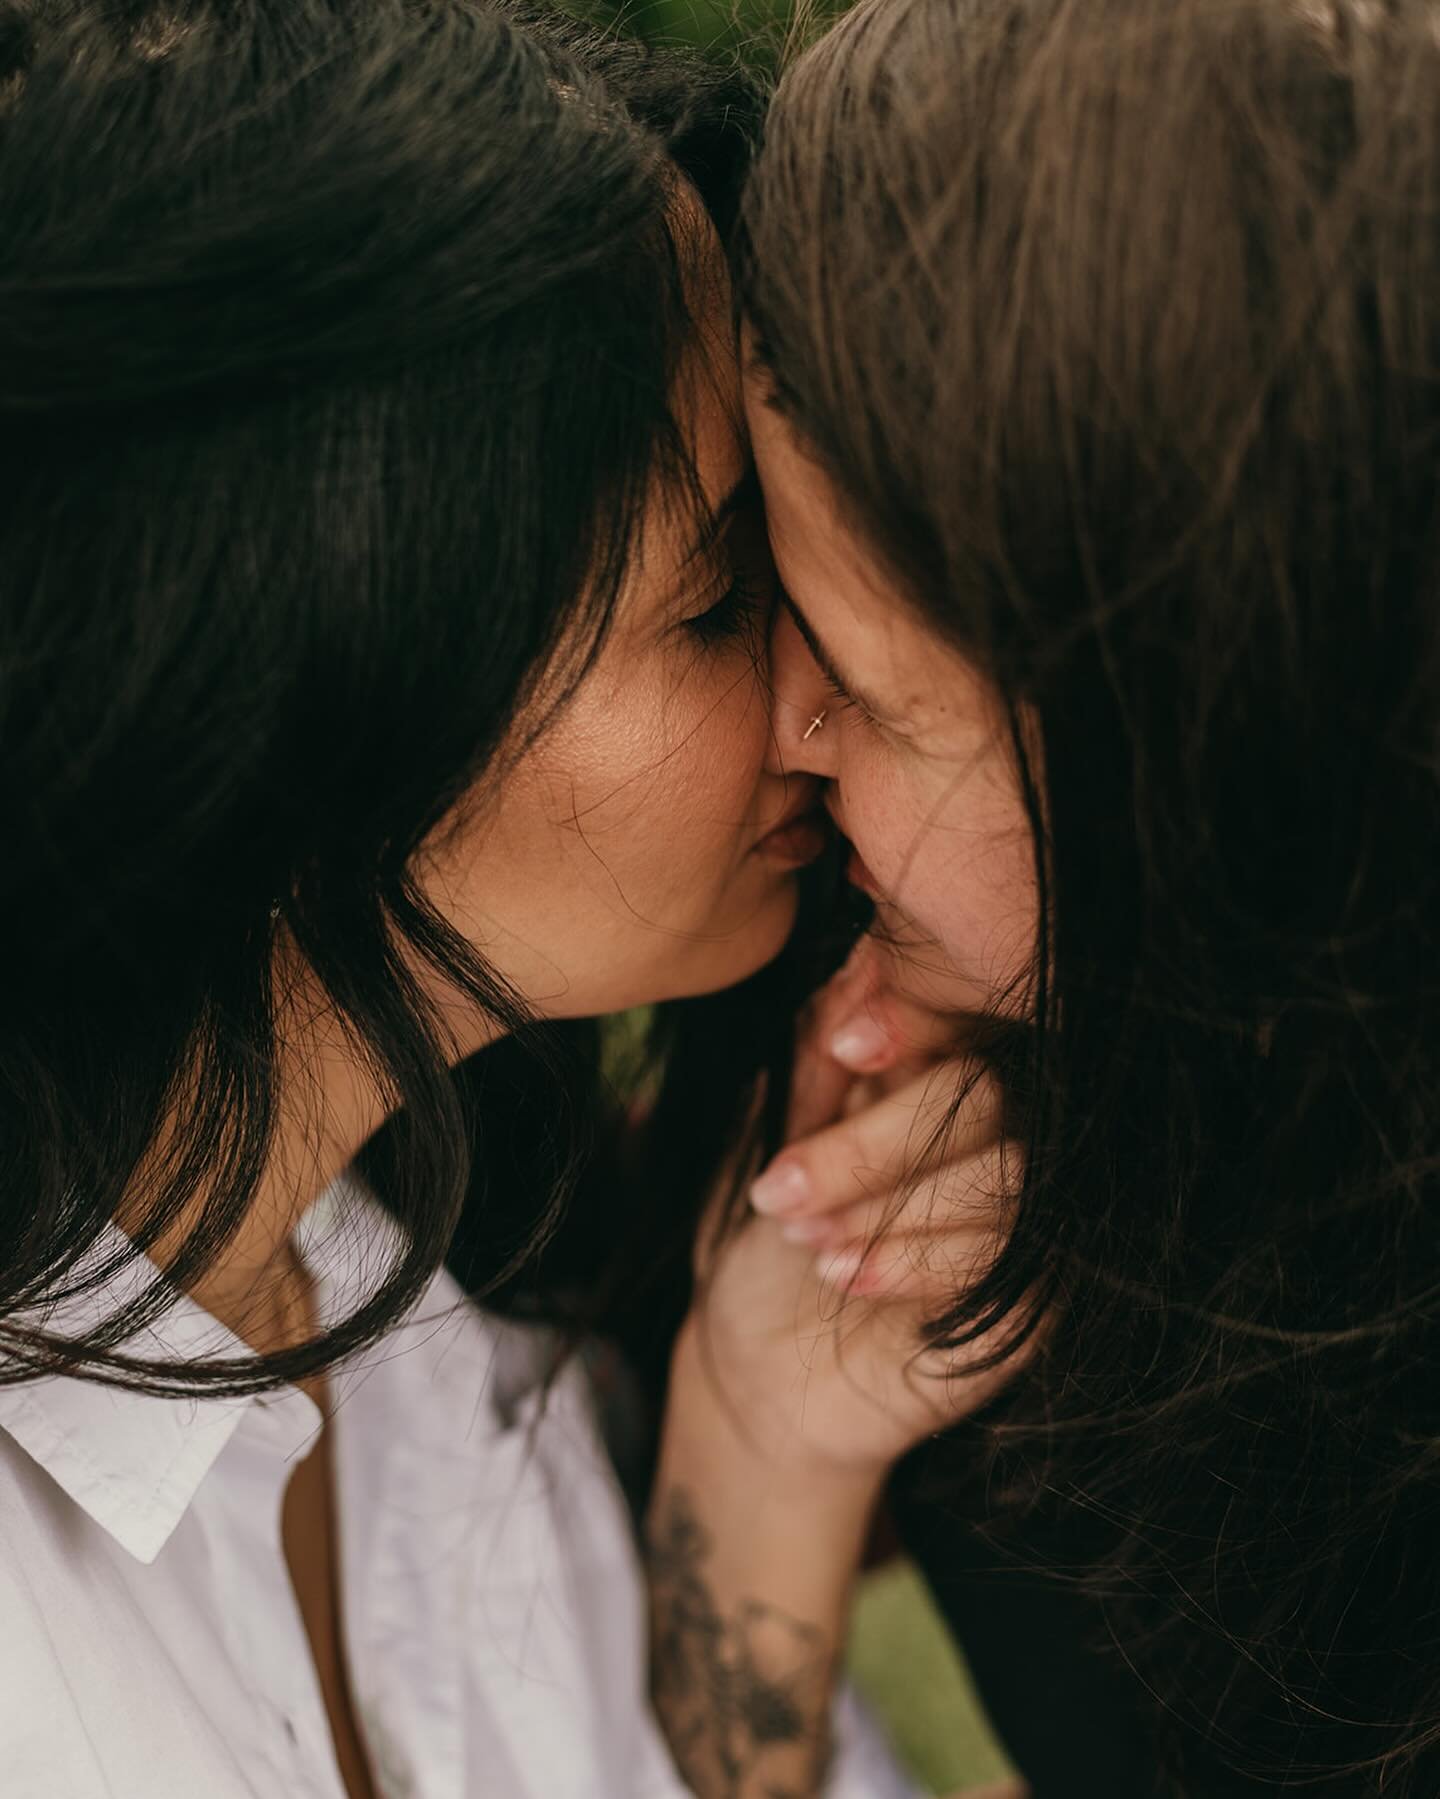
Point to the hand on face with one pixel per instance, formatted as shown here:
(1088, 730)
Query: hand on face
(884, 1207)
(879, 1211)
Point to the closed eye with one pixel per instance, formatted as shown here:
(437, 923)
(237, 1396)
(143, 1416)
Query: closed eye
(844, 695)
(845, 701)
(738, 613)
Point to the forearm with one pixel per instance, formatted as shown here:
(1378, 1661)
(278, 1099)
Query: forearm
(751, 1560)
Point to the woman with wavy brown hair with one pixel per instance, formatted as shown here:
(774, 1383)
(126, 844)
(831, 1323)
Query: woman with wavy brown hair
(1096, 398)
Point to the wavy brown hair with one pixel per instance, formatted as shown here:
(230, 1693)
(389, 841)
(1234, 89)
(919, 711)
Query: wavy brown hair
(1118, 324)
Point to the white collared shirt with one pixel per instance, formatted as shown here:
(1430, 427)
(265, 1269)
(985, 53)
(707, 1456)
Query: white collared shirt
(491, 1597)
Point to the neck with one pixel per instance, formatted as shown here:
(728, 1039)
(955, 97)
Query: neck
(329, 1105)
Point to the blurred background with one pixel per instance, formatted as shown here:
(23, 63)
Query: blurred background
(758, 27)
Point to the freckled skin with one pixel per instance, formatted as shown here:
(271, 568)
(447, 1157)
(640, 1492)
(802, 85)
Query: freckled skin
(928, 793)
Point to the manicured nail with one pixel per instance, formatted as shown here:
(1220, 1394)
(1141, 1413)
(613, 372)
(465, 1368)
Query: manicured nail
(840, 1269)
(809, 1231)
(784, 1187)
(861, 1044)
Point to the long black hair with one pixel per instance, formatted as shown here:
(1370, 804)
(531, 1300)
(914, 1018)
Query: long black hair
(1118, 323)
(336, 346)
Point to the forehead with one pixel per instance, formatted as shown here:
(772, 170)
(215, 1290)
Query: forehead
(707, 400)
(837, 581)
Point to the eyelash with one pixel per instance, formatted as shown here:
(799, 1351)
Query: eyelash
(847, 701)
(734, 615)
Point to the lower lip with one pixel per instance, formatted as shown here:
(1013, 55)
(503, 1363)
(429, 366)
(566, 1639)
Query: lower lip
(858, 875)
(796, 844)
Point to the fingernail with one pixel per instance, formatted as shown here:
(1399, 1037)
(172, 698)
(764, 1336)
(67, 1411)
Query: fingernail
(809, 1231)
(784, 1187)
(860, 1044)
(841, 1268)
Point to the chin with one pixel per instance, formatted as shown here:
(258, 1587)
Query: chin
(725, 960)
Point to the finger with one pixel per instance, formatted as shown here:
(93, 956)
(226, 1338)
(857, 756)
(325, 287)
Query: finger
(952, 1110)
(859, 1024)
(861, 976)
(935, 1267)
(968, 1194)
(867, 1024)
(847, 996)
(819, 1084)
(819, 1087)
(882, 1030)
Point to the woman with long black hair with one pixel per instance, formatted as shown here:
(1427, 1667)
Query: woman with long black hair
(382, 677)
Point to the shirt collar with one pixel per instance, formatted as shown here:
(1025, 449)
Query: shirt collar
(133, 1462)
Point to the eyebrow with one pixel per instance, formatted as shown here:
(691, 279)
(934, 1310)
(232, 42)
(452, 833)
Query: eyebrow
(826, 661)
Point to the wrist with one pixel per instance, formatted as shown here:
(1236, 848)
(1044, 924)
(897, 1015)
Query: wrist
(753, 1542)
(752, 1435)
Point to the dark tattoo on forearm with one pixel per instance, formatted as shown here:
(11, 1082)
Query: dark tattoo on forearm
(735, 1695)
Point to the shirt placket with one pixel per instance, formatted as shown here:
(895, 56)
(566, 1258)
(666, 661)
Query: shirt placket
(402, 1521)
(269, 1644)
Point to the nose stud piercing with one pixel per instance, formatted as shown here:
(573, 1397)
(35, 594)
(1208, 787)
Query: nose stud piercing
(817, 723)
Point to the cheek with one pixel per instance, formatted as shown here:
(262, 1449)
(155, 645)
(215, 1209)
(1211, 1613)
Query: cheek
(664, 768)
(952, 853)
(611, 868)
(880, 815)
(973, 894)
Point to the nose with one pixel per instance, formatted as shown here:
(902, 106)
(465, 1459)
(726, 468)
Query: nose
(801, 699)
